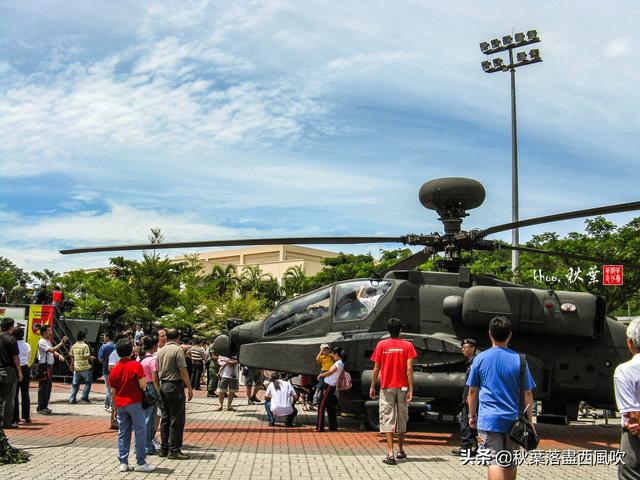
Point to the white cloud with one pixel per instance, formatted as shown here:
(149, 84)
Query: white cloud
(618, 48)
(227, 109)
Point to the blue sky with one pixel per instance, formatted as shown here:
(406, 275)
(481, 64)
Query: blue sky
(246, 119)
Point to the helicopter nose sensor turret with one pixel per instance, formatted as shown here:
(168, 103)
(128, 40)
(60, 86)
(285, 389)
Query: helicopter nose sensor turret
(451, 197)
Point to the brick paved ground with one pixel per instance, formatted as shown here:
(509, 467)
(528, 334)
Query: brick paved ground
(241, 445)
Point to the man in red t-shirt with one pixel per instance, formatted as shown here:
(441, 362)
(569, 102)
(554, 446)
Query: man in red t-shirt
(127, 381)
(393, 360)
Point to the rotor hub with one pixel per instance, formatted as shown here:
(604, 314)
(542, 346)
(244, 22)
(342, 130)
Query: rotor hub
(451, 198)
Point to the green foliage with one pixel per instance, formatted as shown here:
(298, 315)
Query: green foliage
(602, 239)
(294, 281)
(11, 274)
(346, 266)
(9, 454)
(216, 311)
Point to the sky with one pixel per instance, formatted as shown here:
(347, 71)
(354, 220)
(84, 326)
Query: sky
(222, 120)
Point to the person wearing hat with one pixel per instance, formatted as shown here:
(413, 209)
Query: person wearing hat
(467, 434)
(325, 360)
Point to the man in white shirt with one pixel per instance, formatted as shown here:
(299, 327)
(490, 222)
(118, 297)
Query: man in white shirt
(626, 381)
(46, 352)
(279, 399)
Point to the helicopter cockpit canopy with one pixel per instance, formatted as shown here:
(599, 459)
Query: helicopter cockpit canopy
(298, 311)
(355, 300)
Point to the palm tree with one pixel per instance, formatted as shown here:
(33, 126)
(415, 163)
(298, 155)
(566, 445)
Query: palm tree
(222, 279)
(294, 281)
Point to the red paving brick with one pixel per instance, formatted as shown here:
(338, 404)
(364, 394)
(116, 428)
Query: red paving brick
(239, 431)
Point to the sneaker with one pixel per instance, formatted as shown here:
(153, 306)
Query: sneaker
(155, 443)
(85, 400)
(251, 402)
(163, 453)
(27, 420)
(178, 456)
(124, 467)
(146, 468)
(73, 402)
(272, 424)
(401, 455)
(390, 460)
(463, 452)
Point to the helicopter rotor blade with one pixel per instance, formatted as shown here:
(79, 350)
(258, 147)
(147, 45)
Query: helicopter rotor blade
(238, 243)
(412, 261)
(589, 212)
(606, 261)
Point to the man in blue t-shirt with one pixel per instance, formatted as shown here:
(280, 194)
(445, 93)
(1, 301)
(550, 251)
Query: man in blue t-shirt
(496, 373)
(103, 356)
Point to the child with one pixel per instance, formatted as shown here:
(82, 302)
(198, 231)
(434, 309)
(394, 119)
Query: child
(325, 360)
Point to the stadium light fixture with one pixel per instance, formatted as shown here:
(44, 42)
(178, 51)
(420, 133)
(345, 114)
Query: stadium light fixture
(490, 48)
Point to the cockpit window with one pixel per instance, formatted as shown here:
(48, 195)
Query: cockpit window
(298, 311)
(355, 300)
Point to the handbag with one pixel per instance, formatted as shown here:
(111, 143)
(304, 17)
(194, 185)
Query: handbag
(522, 432)
(344, 382)
(39, 371)
(148, 400)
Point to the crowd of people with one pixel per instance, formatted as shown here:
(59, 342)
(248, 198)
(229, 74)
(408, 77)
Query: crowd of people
(150, 378)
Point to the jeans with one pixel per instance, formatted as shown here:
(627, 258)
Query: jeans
(270, 416)
(85, 377)
(131, 417)
(44, 390)
(22, 396)
(107, 398)
(173, 415)
(150, 419)
(196, 375)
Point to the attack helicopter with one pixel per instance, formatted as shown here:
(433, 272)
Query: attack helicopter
(572, 347)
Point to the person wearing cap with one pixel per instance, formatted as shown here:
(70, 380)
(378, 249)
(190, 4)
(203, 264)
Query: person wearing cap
(325, 360)
(468, 435)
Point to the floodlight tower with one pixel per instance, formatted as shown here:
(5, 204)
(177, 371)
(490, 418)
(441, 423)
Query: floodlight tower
(496, 46)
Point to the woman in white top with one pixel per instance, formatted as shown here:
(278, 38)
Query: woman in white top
(329, 399)
(279, 400)
(22, 392)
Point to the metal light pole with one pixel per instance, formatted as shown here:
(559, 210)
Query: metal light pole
(498, 65)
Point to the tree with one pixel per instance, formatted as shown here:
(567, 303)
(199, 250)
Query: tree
(184, 312)
(294, 281)
(602, 239)
(216, 311)
(348, 266)
(221, 280)
(11, 274)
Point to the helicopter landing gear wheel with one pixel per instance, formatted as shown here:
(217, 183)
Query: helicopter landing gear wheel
(372, 416)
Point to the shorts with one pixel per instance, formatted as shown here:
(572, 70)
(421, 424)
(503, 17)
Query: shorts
(499, 446)
(227, 385)
(253, 377)
(394, 410)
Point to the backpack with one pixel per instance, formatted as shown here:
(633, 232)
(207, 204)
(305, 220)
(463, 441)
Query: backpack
(344, 382)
